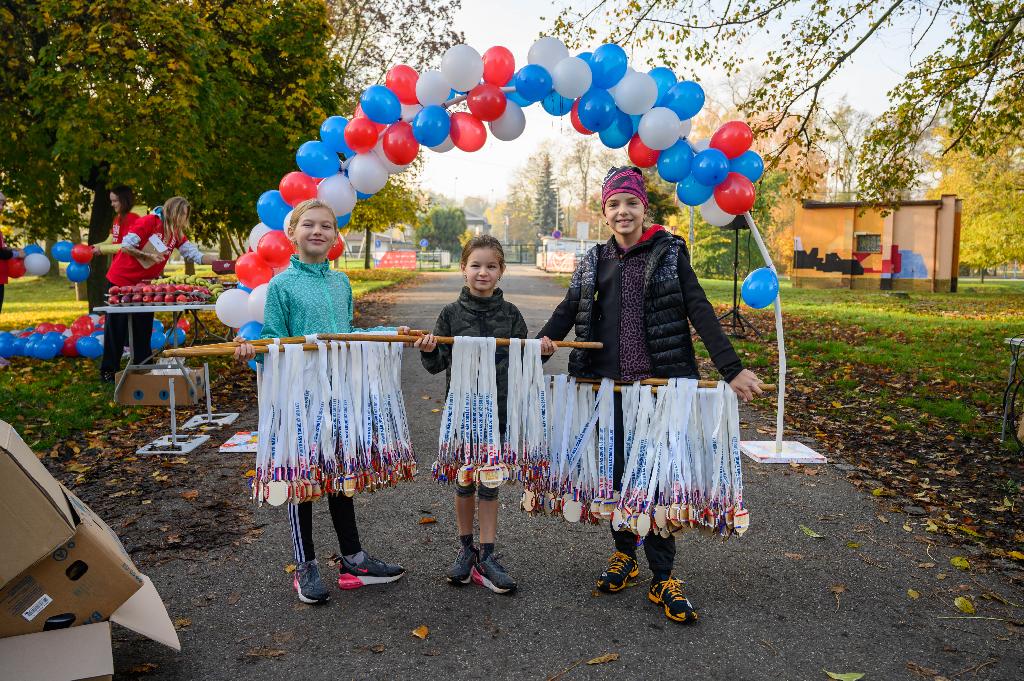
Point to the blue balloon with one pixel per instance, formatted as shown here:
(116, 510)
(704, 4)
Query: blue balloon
(586, 56)
(361, 195)
(748, 164)
(344, 219)
(693, 193)
(332, 133)
(451, 93)
(272, 208)
(54, 337)
(47, 349)
(596, 109)
(6, 344)
(760, 288)
(635, 120)
(618, 134)
(97, 334)
(88, 346)
(243, 287)
(674, 162)
(252, 364)
(316, 159)
(30, 344)
(157, 340)
(251, 330)
(556, 105)
(77, 272)
(380, 104)
(61, 251)
(665, 79)
(514, 96)
(18, 346)
(36, 248)
(608, 64)
(533, 82)
(710, 167)
(431, 125)
(686, 98)
(158, 325)
(175, 337)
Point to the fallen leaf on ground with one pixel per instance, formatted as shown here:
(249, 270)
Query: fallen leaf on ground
(434, 411)
(263, 651)
(290, 568)
(882, 492)
(794, 556)
(190, 495)
(964, 605)
(608, 657)
(379, 648)
(421, 632)
(1016, 555)
(144, 668)
(848, 676)
(959, 562)
(182, 622)
(930, 526)
(427, 520)
(811, 533)
(852, 545)
(913, 594)
(920, 670)
(234, 598)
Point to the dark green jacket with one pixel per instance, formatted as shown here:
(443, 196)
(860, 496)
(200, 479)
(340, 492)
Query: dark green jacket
(482, 317)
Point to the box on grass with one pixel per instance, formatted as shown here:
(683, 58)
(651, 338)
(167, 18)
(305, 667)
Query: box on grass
(152, 388)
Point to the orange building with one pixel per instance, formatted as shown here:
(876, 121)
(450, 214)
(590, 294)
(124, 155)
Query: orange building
(852, 245)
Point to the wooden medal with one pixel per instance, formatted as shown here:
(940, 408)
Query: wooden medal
(490, 476)
(572, 510)
(643, 524)
(277, 492)
(661, 516)
(529, 502)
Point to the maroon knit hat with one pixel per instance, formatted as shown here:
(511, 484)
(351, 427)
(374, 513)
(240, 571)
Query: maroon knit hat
(626, 179)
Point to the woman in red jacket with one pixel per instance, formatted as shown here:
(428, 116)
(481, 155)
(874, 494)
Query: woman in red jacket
(143, 255)
(121, 200)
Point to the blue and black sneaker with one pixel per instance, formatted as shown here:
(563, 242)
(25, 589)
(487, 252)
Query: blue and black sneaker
(308, 583)
(488, 572)
(369, 570)
(461, 572)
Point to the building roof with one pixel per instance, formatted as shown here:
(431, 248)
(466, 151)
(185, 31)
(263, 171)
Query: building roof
(809, 203)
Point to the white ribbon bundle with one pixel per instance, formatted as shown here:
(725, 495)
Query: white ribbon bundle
(331, 421)
(526, 420)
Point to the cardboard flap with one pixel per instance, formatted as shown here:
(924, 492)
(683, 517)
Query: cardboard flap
(75, 653)
(144, 613)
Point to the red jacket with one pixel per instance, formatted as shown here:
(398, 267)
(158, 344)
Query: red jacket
(3, 263)
(122, 225)
(126, 270)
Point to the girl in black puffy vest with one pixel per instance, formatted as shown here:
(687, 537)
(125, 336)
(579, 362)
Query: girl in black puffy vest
(638, 295)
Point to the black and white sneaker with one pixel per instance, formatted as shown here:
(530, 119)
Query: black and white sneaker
(489, 573)
(461, 572)
(368, 571)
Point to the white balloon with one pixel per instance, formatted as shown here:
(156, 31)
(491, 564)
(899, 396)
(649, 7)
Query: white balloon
(94, 317)
(511, 123)
(287, 219)
(233, 308)
(256, 234)
(257, 301)
(432, 88)
(572, 77)
(367, 174)
(636, 94)
(36, 264)
(462, 67)
(713, 215)
(448, 145)
(659, 128)
(700, 145)
(685, 127)
(337, 191)
(547, 52)
(409, 111)
(392, 168)
(66, 333)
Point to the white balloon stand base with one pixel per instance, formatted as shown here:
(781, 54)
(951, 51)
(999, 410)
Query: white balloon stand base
(765, 451)
(209, 418)
(173, 443)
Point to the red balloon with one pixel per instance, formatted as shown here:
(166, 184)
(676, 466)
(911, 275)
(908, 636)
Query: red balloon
(184, 324)
(735, 194)
(251, 270)
(467, 132)
(69, 349)
(60, 327)
(15, 268)
(81, 253)
(361, 135)
(297, 187)
(401, 80)
(487, 102)
(642, 155)
(499, 65)
(274, 249)
(574, 117)
(400, 145)
(732, 139)
(45, 327)
(337, 249)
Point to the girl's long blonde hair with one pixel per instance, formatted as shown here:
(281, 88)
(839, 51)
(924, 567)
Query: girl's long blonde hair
(176, 214)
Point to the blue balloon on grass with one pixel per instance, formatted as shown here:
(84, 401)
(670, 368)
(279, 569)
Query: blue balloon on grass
(18, 346)
(533, 82)
(597, 109)
(760, 288)
(618, 134)
(35, 248)
(97, 334)
(272, 208)
(30, 344)
(6, 344)
(556, 105)
(77, 272)
(48, 349)
(316, 159)
(54, 337)
(175, 337)
(748, 164)
(332, 133)
(251, 330)
(686, 98)
(710, 167)
(674, 162)
(380, 104)
(693, 193)
(157, 340)
(431, 125)
(61, 251)
(608, 65)
(89, 347)
(344, 219)
(665, 79)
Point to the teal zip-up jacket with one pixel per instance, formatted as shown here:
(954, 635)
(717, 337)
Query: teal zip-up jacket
(307, 299)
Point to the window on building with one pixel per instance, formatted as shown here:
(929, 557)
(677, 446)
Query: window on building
(869, 243)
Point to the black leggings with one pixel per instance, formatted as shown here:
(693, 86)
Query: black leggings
(343, 515)
(1, 297)
(115, 336)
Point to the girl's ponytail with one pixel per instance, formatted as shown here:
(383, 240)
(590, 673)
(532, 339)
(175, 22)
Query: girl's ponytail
(176, 215)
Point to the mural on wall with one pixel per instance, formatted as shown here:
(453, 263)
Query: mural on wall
(901, 263)
(809, 260)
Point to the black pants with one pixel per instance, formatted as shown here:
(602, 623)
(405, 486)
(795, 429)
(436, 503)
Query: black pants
(660, 551)
(1, 297)
(115, 335)
(343, 515)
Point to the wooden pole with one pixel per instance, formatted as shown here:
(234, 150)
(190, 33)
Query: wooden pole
(658, 382)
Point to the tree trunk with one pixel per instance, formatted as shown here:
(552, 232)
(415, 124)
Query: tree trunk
(982, 275)
(224, 248)
(100, 220)
(190, 267)
(366, 249)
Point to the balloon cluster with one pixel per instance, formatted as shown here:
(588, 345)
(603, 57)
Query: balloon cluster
(84, 338)
(77, 256)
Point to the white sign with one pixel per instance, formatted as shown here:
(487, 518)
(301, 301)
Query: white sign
(582, 231)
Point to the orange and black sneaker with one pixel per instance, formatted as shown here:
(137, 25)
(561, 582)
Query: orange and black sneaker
(621, 569)
(669, 593)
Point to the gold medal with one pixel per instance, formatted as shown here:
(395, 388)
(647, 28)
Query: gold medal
(277, 492)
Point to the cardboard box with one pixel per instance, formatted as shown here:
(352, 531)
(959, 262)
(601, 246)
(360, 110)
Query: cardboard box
(152, 388)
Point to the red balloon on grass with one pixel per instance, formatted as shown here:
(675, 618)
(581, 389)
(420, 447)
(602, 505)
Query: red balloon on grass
(337, 249)
(81, 253)
(401, 80)
(400, 145)
(274, 249)
(735, 194)
(732, 139)
(251, 270)
(15, 268)
(83, 326)
(499, 65)
(69, 349)
(487, 102)
(642, 155)
(297, 187)
(45, 327)
(361, 135)
(574, 117)
(467, 131)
